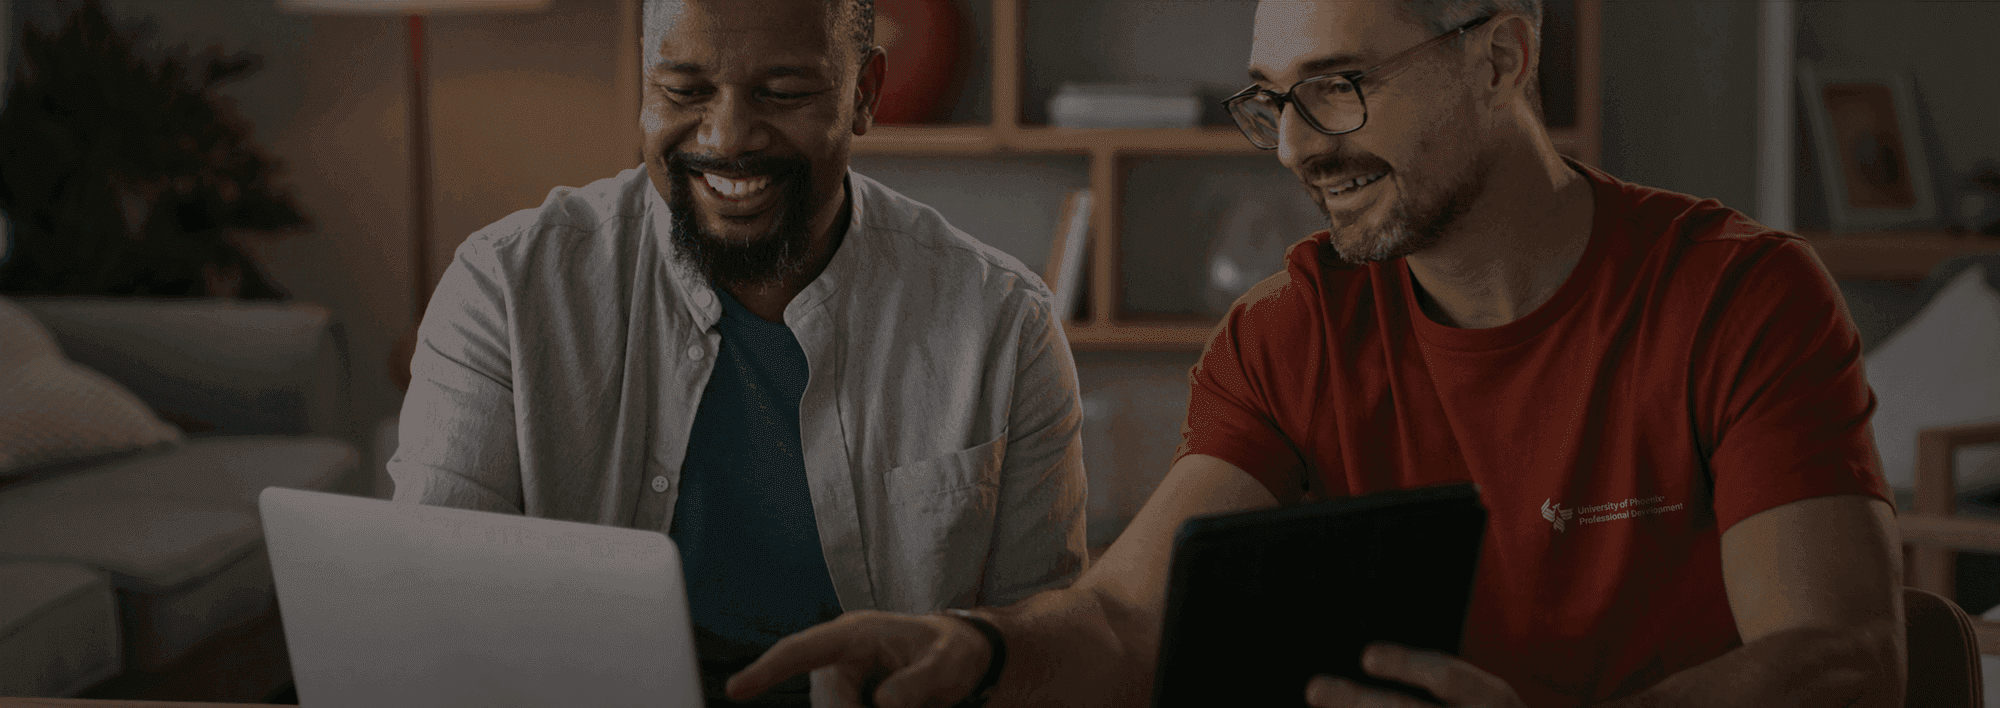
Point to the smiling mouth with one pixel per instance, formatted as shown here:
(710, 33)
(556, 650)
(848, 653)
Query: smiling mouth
(1349, 186)
(736, 189)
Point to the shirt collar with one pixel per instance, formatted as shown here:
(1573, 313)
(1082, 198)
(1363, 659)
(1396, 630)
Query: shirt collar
(694, 292)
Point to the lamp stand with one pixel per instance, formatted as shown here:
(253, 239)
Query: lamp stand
(420, 172)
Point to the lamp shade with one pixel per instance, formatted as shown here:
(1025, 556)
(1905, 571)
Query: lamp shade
(406, 7)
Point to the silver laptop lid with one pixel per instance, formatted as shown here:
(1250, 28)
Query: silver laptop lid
(390, 604)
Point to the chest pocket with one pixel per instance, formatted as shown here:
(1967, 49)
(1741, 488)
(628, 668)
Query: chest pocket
(938, 518)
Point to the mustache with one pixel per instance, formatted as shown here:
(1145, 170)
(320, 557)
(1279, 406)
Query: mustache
(1325, 165)
(742, 165)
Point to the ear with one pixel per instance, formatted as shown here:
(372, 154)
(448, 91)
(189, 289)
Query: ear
(1512, 52)
(868, 89)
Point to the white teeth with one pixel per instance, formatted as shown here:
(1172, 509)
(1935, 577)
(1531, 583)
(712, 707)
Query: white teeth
(1355, 183)
(735, 187)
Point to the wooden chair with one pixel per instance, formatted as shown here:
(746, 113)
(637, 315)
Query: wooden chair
(1943, 664)
(1932, 531)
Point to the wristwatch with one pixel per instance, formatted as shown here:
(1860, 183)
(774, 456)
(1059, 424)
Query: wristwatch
(994, 665)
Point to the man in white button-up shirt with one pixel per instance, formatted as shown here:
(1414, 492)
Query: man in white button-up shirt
(572, 362)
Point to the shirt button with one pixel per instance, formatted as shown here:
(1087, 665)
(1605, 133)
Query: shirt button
(694, 351)
(660, 483)
(704, 298)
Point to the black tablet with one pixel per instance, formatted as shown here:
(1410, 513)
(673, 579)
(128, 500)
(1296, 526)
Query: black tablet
(1259, 602)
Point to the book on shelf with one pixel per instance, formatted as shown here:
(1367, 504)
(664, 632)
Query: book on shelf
(1107, 105)
(1064, 274)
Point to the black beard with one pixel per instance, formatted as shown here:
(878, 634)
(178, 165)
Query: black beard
(778, 253)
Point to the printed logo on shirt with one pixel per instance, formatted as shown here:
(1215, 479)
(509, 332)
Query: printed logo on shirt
(1626, 509)
(1556, 514)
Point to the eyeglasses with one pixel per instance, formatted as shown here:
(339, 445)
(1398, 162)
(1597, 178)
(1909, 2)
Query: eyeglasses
(1331, 104)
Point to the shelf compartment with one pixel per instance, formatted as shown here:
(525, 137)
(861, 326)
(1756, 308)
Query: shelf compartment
(1196, 232)
(1010, 202)
(947, 139)
(1190, 335)
(986, 140)
(974, 139)
(1221, 140)
(1893, 256)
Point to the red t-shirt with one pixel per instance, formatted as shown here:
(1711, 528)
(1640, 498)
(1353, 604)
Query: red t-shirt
(1695, 369)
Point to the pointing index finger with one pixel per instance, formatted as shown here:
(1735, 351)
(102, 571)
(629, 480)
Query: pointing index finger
(791, 656)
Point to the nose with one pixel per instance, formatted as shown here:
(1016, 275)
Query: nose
(1297, 139)
(732, 126)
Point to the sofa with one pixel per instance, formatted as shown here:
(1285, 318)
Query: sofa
(143, 575)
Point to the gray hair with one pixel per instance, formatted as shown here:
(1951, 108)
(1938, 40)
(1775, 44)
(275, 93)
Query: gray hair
(1441, 16)
(857, 15)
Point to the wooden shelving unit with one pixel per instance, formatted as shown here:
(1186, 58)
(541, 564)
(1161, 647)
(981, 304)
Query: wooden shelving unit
(1107, 328)
(1893, 256)
(993, 140)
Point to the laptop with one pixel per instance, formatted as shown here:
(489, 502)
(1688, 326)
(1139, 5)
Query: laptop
(1259, 602)
(392, 605)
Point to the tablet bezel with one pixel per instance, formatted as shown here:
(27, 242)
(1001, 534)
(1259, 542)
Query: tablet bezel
(1442, 521)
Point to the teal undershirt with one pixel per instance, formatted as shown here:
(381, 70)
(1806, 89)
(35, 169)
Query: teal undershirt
(744, 520)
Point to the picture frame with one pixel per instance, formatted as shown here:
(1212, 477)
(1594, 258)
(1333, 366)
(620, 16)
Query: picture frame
(1872, 165)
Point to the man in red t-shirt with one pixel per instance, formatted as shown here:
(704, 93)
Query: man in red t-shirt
(1661, 400)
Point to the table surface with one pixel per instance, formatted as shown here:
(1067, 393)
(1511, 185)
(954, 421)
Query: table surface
(81, 703)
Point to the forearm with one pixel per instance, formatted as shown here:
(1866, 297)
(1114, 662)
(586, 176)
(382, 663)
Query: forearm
(1806, 667)
(1074, 647)
(1096, 643)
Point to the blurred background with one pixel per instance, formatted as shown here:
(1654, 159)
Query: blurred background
(347, 191)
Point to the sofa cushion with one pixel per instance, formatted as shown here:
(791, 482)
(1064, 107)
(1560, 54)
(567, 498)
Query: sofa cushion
(58, 411)
(177, 530)
(232, 366)
(152, 545)
(1943, 368)
(161, 627)
(58, 629)
(228, 470)
(182, 570)
(161, 520)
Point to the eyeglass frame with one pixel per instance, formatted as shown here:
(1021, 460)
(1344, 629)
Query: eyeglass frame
(1352, 77)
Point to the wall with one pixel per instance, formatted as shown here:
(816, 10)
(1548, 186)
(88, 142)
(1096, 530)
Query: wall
(520, 103)
(1948, 48)
(526, 102)
(1679, 82)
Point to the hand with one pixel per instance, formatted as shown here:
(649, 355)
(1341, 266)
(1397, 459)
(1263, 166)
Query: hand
(1448, 677)
(883, 659)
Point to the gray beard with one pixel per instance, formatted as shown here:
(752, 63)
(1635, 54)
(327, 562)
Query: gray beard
(1412, 227)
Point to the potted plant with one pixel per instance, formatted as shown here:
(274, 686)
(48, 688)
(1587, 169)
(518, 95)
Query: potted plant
(122, 172)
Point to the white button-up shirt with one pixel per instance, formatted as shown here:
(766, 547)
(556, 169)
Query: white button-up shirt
(565, 351)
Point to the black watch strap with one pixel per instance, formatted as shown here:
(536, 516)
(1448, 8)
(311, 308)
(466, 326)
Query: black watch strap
(994, 665)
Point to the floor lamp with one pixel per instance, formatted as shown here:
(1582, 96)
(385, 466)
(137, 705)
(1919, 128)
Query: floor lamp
(413, 12)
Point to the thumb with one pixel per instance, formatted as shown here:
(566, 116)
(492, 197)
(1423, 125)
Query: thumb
(938, 678)
(835, 687)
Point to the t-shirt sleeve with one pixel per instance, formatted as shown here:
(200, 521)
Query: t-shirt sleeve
(1787, 408)
(1248, 382)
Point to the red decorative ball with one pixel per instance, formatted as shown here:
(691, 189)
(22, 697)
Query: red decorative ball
(922, 38)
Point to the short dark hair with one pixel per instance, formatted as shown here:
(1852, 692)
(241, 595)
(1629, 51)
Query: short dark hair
(857, 15)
